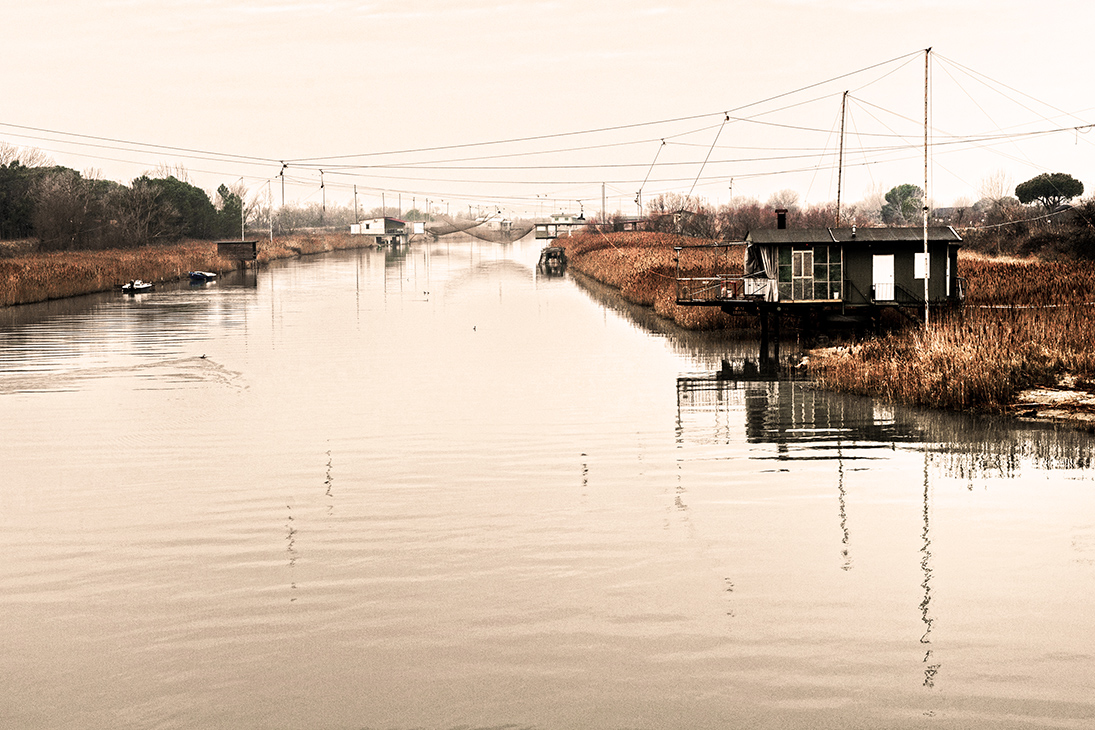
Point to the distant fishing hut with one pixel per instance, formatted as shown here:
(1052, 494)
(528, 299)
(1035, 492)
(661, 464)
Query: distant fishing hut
(244, 253)
(561, 225)
(832, 274)
(386, 231)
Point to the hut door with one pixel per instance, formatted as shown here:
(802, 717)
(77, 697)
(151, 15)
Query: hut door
(883, 278)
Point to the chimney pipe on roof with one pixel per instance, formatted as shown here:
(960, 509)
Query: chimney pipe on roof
(781, 218)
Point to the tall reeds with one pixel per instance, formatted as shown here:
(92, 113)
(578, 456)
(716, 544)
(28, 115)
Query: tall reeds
(1025, 324)
(642, 265)
(34, 277)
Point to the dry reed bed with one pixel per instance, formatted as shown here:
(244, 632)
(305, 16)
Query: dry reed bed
(642, 266)
(1025, 324)
(35, 277)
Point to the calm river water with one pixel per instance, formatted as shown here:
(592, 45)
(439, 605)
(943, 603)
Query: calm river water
(438, 490)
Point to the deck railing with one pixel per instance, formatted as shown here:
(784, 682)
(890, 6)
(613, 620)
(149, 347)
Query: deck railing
(711, 288)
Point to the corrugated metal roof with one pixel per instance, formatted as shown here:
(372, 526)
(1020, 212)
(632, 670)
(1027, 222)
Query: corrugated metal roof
(769, 236)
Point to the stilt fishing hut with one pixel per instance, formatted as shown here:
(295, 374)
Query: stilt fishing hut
(833, 275)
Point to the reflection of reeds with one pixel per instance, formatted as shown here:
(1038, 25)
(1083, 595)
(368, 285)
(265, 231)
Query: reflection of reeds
(35, 277)
(643, 267)
(1024, 324)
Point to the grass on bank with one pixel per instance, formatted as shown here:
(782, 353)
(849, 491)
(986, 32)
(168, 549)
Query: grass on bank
(1026, 323)
(27, 276)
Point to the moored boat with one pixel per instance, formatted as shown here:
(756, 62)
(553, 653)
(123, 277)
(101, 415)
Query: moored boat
(553, 260)
(136, 287)
(200, 277)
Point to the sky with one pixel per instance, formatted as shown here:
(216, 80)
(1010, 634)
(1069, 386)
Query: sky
(531, 106)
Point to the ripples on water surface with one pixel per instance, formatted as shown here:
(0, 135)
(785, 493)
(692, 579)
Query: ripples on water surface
(437, 490)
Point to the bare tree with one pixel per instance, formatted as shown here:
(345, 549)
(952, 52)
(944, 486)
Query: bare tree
(141, 213)
(870, 208)
(996, 186)
(64, 210)
(26, 156)
(165, 170)
(786, 199)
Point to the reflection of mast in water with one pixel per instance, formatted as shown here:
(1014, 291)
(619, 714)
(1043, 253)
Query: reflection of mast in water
(844, 540)
(329, 484)
(291, 548)
(932, 668)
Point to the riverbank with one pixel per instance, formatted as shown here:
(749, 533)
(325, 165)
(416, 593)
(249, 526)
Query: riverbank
(27, 276)
(1020, 346)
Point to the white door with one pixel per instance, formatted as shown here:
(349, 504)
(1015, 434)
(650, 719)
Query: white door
(883, 277)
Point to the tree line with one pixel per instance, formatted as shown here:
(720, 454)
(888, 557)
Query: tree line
(63, 209)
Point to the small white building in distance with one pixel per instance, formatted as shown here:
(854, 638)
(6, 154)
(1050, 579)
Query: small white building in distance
(385, 231)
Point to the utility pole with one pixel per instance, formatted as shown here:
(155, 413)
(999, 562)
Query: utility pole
(270, 216)
(840, 162)
(323, 209)
(243, 214)
(927, 261)
(603, 204)
(282, 173)
(357, 218)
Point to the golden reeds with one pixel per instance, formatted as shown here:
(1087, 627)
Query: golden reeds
(642, 265)
(1025, 324)
(35, 277)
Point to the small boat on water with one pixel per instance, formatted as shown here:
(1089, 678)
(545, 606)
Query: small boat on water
(553, 260)
(136, 287)
(201, 277)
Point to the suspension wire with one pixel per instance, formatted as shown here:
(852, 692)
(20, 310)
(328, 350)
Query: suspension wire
(615, 128)
(984, 79)
(705, 159)
(639, 195)
(214, 155)
(425, 164)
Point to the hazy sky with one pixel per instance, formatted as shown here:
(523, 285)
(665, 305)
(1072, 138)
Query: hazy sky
(531, 105)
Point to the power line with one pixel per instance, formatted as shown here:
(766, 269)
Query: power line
(212, 155)
(600, 130)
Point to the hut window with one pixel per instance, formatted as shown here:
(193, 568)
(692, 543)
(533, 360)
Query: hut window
(827, 272)
(802, 274)
(919, 261)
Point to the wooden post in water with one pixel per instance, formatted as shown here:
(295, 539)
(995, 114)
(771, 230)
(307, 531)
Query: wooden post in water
(763, 314)
(775, 339)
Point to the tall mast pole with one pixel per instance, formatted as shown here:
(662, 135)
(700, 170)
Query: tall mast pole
(243, 212)
(840, 162)
(927, 260)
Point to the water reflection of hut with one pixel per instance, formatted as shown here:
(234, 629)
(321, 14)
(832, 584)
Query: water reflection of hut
(805, 421)
(787, 413)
